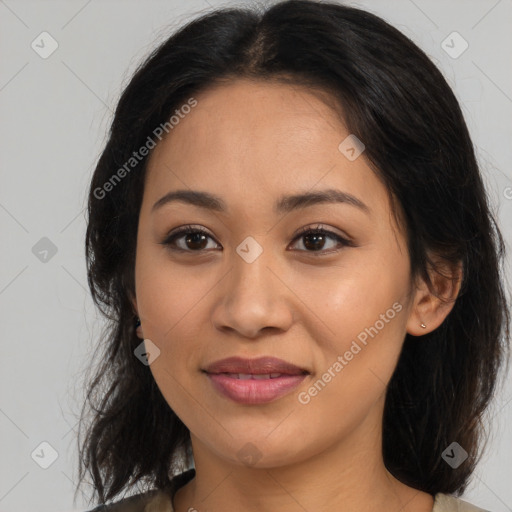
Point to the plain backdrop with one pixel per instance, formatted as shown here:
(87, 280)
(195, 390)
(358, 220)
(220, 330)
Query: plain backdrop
(55, 112)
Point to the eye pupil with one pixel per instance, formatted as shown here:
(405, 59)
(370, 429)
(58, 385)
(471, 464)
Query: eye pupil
(315, 237)
(196, 238)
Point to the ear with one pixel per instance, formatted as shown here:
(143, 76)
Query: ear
(138, 329)
(432, 305)
(133, 301)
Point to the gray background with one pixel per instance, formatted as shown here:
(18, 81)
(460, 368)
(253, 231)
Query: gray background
(55, 113)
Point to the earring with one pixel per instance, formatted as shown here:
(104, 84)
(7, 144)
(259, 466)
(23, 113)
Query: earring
(138, 328)
(423, 326)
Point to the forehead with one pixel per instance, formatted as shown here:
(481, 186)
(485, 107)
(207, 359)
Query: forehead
(254, 141)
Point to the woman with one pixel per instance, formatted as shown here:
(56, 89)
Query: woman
(290, 237)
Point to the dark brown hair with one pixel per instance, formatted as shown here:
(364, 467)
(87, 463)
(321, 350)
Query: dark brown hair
(397, 102)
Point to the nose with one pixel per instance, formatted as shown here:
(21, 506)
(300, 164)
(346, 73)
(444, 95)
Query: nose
(253, 298)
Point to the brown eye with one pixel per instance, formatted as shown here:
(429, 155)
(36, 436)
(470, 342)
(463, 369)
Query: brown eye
(195, 239)
(315, 240)
(191, 239)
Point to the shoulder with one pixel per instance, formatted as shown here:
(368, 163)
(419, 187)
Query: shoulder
(136, 503)
(449, 503)
(154, 500)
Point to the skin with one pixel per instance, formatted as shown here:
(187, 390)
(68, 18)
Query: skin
(250, 143)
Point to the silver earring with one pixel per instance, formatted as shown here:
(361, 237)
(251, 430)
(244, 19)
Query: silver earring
(423, 325)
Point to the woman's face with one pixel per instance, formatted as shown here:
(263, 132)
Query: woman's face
(254, 286)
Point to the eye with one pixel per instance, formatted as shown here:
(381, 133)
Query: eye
(314, 239)
(192, 237)
(195, 239)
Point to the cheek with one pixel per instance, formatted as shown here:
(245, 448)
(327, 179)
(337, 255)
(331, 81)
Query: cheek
(362, 309)
(366, 339)
(357, 360)
(171, 301)
(355, 296)
(168, 294)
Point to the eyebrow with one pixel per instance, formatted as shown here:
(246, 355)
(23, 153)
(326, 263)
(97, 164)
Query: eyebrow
(284, 204)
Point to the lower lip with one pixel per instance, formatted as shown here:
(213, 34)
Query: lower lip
(253, 391)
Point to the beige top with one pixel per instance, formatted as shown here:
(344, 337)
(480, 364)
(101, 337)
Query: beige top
(161, 501)
(447, 503)
(442, 503)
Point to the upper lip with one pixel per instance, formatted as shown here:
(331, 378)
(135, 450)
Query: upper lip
(258, 366)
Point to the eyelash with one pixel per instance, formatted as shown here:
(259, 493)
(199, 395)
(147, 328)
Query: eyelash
(186, 230)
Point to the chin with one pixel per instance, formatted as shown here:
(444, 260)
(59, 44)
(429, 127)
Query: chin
(261, 452)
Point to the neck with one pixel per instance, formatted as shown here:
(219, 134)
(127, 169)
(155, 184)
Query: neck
(349, 476)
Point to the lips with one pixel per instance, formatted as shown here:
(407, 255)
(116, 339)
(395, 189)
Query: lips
(254, 381)
(253, 368)
(255, 376)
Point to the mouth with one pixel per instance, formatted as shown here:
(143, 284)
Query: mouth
(254, 381)
(255, 376)
(259, 366)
